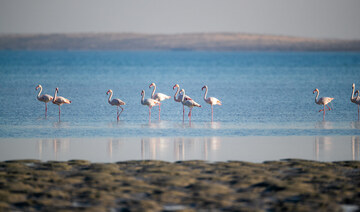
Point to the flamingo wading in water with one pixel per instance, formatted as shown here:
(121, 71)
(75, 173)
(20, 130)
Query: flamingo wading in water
(322, 101)
(210, 100)
(115, 102)
(59, 100)
(158, 96)
(179, 98)
(149, 102)
(355, 99)
(43, 98)
(190, 103)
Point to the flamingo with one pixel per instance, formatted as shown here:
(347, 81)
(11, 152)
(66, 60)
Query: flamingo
(158, 96)
(190, 103)
(354, 99)
(115, 102)
(357, 101)
(322, 101)
(59, 100)
(179, 98)
(210, 100)
(43, 98)
(149, 102)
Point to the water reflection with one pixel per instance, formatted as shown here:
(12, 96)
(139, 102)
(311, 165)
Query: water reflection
(253, 149)
(324, 125)
(113, 145)
(355, 147)
(355, 125)
(61, 124)
(179, 148)
(328, 147)
(52, 147)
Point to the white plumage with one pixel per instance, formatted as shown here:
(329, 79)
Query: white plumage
(355, 99)
(322, 101)
(59, 100)
(210, 100)
(43, 98)
(179, 97)
(149, 102)
(115, 102)
(158, 96)
(189, 103)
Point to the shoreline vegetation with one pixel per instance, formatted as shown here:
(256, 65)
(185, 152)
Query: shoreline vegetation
(285, 185)
(172, 42)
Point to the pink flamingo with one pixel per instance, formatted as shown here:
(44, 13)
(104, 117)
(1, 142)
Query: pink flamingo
(149, 102)
(158, 96)
(190, 103)
(115, 102)
(59, 100)
(322, 101)
(210, 100)
(43, 98)
(356, 99)
(179, 98)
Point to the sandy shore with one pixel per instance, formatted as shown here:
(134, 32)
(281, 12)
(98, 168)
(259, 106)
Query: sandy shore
(288, 185)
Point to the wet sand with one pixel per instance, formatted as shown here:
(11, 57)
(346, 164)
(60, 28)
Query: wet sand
(77, 185)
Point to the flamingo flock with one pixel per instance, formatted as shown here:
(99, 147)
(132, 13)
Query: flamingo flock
(180, 96)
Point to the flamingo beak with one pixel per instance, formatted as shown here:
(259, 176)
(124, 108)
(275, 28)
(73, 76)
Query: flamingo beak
(174, 87)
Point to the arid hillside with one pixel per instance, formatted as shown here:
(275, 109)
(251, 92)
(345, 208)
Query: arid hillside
(195, 42)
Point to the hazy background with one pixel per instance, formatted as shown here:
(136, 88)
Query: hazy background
(304, 18)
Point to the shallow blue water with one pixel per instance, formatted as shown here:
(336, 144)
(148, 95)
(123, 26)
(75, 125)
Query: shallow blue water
(263, 93)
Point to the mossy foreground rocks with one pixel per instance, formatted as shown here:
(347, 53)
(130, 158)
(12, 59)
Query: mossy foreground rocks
(77, 185)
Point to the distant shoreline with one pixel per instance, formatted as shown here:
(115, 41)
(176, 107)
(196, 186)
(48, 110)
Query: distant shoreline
(172, 42)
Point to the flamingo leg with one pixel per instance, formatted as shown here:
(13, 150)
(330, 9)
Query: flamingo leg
(183, 113)
(117, 113)
(358, 112)
(45, 109)
(212, 112)
(149, 114)
(122, 109)
(328, 107)
(59, 112)
(189, 115)
(324, 113)
(159, 111)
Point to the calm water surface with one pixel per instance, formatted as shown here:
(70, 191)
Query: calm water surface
(263, 94)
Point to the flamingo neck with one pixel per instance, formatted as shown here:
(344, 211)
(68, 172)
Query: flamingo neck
(177, 99)
(109, 100)
(38, 96)
(153, 92)
(317, 95)
(206, 91)
(55, 95)
(352, 94)
(142, 98)
(183, 96)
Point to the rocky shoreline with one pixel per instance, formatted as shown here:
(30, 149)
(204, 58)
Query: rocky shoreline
(77, 185)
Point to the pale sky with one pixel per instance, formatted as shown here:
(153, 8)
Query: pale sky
(304, 18)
